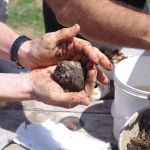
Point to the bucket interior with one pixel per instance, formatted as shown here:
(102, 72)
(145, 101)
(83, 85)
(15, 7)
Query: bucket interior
(132, 127)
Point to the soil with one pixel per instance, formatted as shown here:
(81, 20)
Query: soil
(114, 56)
(142, 141)
(71, 75)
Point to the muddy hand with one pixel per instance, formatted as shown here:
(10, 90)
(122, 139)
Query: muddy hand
(54, 47)
(49, 49)
(45, 89)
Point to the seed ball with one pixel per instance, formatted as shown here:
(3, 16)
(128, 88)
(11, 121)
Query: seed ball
(71, 75)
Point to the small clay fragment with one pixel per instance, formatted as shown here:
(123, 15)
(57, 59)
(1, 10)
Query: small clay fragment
(71, 75)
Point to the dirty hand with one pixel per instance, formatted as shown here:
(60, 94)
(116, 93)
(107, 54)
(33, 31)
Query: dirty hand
(45, 89)
(54, 47)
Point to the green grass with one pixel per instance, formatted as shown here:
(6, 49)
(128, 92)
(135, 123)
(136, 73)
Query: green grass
(26, 14)
(148, 3)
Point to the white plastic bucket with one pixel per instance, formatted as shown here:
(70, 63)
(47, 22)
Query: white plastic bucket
(129, 75)
(131, 128)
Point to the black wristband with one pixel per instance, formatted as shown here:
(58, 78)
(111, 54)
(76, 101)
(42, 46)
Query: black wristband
(15, 47)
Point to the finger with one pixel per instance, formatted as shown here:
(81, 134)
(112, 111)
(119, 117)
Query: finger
(91, 80)
(102, 77)
(77, 57)
(73, 99)
(84, 49)
(103, 60)
(97, 57)
(67, 33)
(92, 53)
(80, 58)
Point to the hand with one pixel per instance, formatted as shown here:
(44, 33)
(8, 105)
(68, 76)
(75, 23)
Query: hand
(45, 89)
(54, 47)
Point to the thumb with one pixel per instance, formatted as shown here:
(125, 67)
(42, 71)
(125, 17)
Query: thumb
(73, 99)
(67, 33)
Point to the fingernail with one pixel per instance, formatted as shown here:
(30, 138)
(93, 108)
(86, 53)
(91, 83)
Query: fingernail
(110, 66)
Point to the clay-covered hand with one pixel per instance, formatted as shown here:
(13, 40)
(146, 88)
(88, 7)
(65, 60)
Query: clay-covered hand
(54, 47)
(46, 89)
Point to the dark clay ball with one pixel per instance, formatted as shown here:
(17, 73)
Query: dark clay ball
(71, 75)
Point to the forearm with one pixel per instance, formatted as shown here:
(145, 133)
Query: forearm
(7, 38)
(14, 87)
(104, 21)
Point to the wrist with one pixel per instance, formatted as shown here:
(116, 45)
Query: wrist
(33, 86)
(23, 54)
(29, 86)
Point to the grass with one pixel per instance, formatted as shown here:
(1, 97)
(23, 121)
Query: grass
(25, 16)
(148, 3)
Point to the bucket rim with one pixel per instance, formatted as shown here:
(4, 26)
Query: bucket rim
(132, 90)
(128, 87)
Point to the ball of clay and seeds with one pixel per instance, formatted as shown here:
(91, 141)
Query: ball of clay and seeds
(71, 75)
